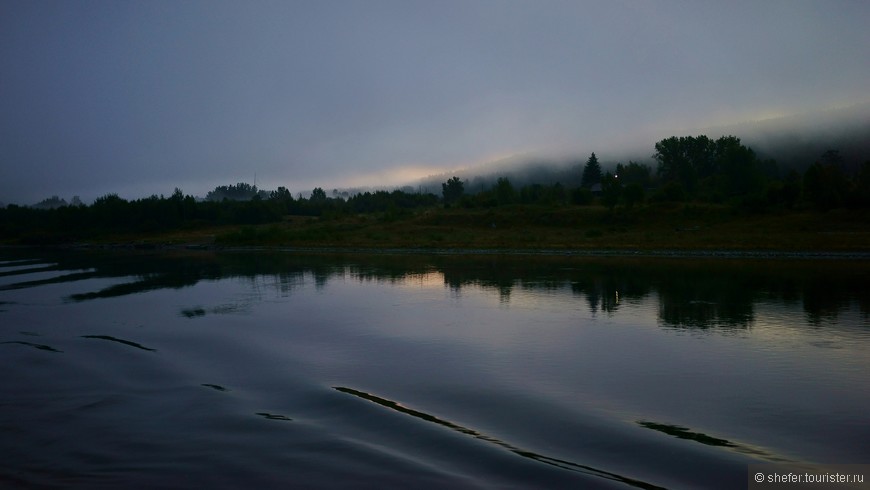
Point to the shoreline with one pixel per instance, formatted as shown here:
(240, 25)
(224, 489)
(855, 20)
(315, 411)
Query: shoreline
(545, 252)
(855, 255)
(654, 230)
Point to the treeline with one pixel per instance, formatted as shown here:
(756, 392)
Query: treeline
(111, 214)
(723, 170)
(691, 169)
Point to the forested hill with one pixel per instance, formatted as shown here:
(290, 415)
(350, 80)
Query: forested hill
(686, 169)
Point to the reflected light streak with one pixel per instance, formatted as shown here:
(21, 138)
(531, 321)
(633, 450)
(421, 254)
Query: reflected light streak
(426, 280)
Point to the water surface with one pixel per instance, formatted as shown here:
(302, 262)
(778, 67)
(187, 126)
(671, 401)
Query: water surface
(229, 370)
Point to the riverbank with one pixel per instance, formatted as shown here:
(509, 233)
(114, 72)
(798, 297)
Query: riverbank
(686, 230)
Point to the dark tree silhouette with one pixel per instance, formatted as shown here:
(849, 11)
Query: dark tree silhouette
(504, 192)
(825, 183)
(591, 172)
(238, 192)
(702, 166)
(452, 191)
(675, 157)
(634, 173)
(110, 211)
(832, 157)
(52, 202)
(861, 187)
(632, 194)
(611, 189)
(738, 166)
(281, 195)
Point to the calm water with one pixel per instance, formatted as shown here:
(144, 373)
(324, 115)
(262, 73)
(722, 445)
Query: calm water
(279, 370)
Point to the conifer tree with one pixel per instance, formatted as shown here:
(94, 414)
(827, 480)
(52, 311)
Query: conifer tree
(591, 172)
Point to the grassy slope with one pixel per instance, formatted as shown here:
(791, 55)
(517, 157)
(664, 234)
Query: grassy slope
(699, 227)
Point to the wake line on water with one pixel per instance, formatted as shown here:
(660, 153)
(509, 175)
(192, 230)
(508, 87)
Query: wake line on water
(681, 432)
(559, 463)
(120, 341)
(31, 344)
(73, 277)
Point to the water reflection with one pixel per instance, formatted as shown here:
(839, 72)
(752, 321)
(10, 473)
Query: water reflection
(690, 293)
(507, 368)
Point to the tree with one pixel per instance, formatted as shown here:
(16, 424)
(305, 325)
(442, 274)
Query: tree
(701, 153)
(825, 183)
(832, 157)
(701, 165)
(183, 206)
(238, 192)
(555, 195)
(281, 195)
(634, 173)
(52, 202)
(452, 191)
(318, 195)
(673, 164)
(738, 166)
(684, 160)
(110, 211)
(504, 191)
(861, 186)
(632, 194)
(581, 196)
(591, 172)
(784, 192)
(611, 189)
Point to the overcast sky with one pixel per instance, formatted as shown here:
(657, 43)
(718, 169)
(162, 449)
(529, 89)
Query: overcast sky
(140, 97)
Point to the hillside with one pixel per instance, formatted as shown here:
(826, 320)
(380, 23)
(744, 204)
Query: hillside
(659, 227)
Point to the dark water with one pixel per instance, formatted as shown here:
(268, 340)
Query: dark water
(279, 370)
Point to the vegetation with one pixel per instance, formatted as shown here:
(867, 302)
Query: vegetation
(452, 190)
(704, 193)
(591, 172)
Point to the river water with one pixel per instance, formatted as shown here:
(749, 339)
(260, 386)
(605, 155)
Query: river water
(198, 369)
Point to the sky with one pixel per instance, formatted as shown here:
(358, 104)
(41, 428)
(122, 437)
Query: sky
(140, 97)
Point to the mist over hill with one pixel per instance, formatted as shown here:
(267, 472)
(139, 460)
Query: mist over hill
(797, 141)
(794, 142)
(520, 169)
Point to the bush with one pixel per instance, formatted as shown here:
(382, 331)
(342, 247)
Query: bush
(671, 192)
(632, 194)
(581, 196)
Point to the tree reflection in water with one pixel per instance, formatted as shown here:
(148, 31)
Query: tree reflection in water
(694, 293)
